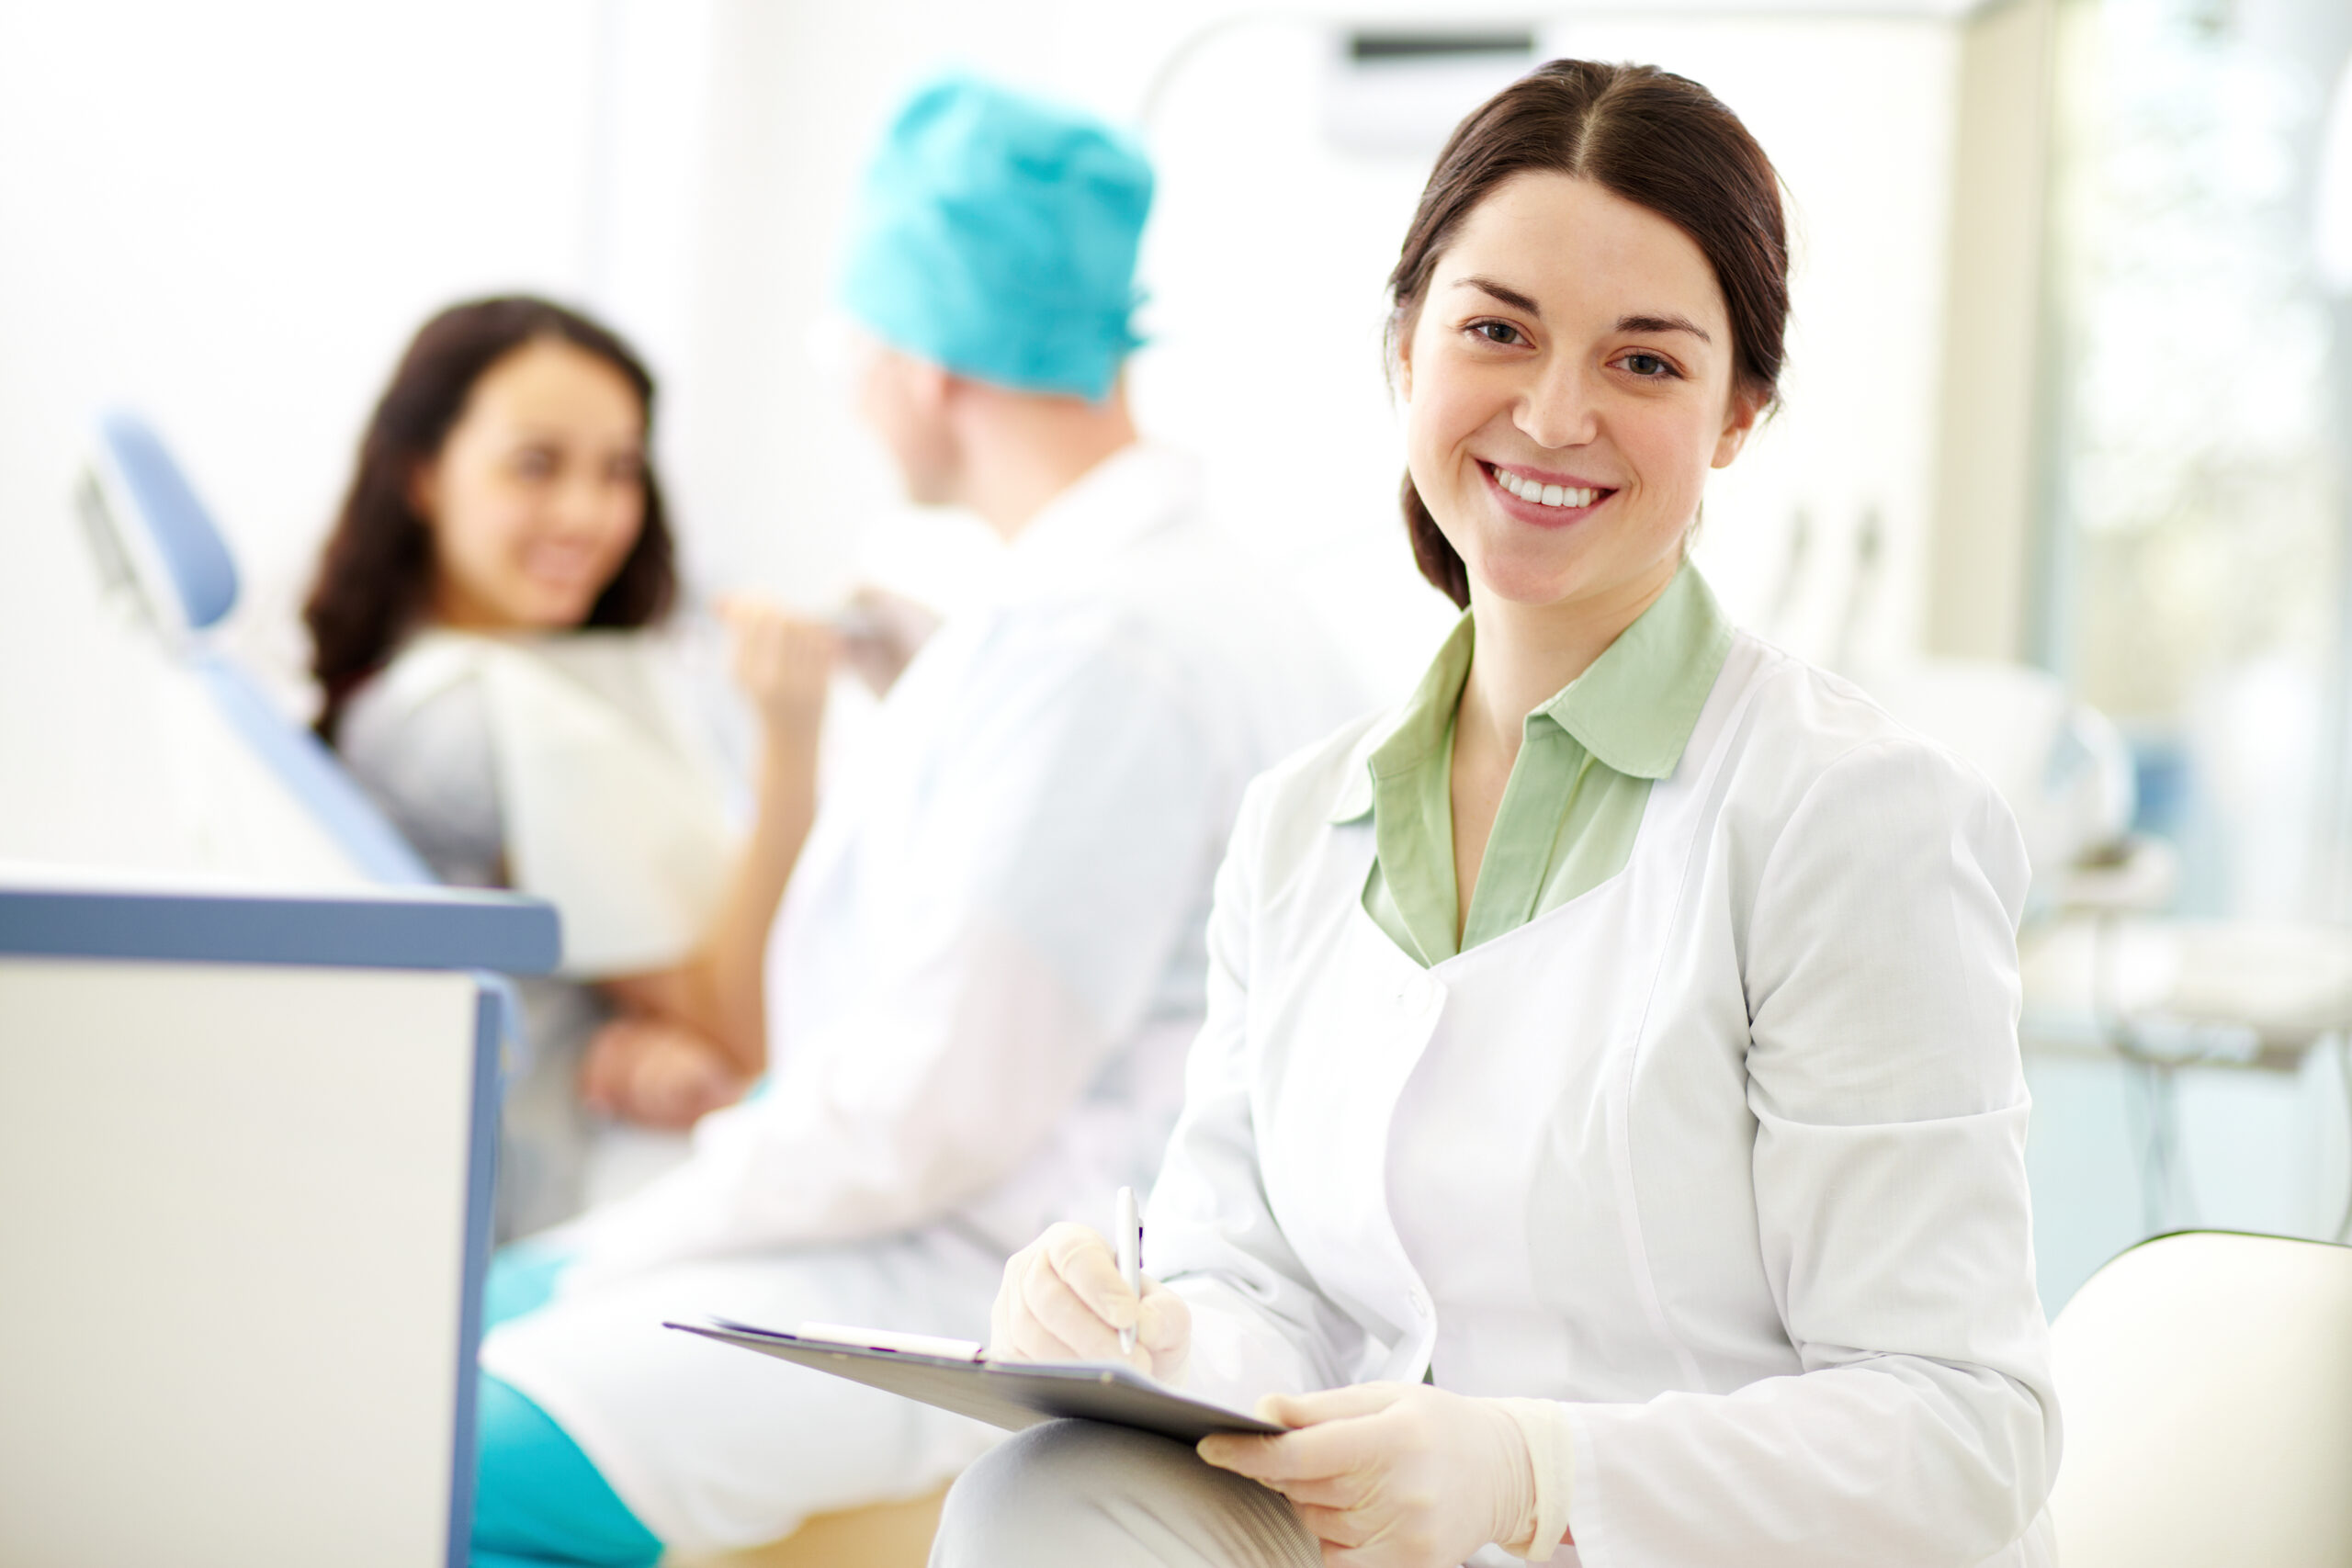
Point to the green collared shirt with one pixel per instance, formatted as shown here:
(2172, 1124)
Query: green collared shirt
(1576, 793)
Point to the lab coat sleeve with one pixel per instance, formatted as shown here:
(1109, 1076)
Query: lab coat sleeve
(1258, 1324)
(1031, 914)
(1879, 963)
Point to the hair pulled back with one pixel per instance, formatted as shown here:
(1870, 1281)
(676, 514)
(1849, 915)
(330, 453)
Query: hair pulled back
(1656, 139)
(375, 579)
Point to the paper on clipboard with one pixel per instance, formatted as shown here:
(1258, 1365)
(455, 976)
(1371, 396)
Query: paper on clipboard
(954, 1375)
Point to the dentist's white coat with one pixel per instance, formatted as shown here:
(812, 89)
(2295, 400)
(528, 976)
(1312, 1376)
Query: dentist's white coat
(981, 992)
(1726, 1156)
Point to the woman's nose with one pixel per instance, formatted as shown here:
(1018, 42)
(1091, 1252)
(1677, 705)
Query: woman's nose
(1560, 409)
(581, 504)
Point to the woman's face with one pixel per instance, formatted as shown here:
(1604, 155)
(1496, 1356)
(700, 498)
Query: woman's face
(538, 492)
(1567, 385)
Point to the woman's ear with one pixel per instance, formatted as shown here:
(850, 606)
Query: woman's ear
(1746, 407)
(932, 384)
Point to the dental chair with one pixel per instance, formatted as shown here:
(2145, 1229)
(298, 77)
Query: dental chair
(259, 1076)
(2112, 979)
(234, 761)
(2206, 1382)
(168, 571)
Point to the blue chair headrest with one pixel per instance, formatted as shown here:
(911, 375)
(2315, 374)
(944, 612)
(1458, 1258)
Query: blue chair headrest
(180, 534)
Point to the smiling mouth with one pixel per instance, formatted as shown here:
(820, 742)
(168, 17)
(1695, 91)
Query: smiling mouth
(1559, 497)
(558, 567)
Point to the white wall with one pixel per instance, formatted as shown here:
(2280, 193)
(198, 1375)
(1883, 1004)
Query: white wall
(233, 215)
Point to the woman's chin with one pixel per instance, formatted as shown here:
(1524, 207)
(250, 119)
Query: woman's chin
(550, 610)
(1532, 583)
(1595, 569)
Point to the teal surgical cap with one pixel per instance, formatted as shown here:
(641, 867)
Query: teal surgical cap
(996, 236)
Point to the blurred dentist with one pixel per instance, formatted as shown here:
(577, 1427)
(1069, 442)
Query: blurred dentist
(991, 958)
(1607, 1139)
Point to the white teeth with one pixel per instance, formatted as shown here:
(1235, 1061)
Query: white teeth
(1545, 495)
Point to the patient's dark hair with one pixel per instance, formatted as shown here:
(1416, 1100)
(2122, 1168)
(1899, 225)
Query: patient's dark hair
(1658, 139)
(375, 579)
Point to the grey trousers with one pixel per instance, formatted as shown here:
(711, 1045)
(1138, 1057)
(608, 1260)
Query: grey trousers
(1111, 1498)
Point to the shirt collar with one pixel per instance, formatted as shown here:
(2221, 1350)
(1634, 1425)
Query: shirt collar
(1633, 709)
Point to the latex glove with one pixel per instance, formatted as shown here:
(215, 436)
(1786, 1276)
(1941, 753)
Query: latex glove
(656, 1074)
(784, 664)
(1062, 1299)
(1391, 1474)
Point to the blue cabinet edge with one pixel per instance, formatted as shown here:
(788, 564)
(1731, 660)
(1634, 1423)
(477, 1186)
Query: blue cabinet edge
(447, 929)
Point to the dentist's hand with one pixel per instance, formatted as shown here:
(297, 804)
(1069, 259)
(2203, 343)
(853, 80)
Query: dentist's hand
(1062, 1299)
(882, 632)
(784, 664)
(1391, 1474)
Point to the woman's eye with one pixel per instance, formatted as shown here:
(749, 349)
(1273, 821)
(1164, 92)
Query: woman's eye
(533, 463)
(1648, 366)
(1497, 331)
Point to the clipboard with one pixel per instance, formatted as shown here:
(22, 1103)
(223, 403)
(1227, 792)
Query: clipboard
(1011, 1394)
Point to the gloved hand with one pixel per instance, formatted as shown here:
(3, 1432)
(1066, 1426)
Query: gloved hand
(1062, 1299)
(1391, 1474)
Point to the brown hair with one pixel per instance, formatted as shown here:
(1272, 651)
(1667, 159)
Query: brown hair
(1658, 139)
(376, 573)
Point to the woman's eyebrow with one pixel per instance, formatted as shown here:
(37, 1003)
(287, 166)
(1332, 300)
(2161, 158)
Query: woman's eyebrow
(1639, 323)
(1509, 296)
(1663, 324)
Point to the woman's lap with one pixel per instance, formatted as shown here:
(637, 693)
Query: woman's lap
(1080, 1491)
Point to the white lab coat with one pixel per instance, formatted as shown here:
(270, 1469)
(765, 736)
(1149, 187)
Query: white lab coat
(1727, 1154)
(986, 972)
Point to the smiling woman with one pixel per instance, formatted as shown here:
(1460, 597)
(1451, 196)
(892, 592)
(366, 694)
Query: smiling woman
(1616, 148)
(479, 631)
(505, 362)
(1606, 1140)
(538, 496)
(1668, 297)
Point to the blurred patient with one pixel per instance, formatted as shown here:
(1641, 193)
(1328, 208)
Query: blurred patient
(482, 628)
(991, 961)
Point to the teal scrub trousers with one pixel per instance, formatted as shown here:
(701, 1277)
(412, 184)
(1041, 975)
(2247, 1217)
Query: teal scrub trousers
(539, 1503)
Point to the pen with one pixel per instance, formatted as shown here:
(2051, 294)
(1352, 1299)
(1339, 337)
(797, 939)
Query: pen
(1130, 1242)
